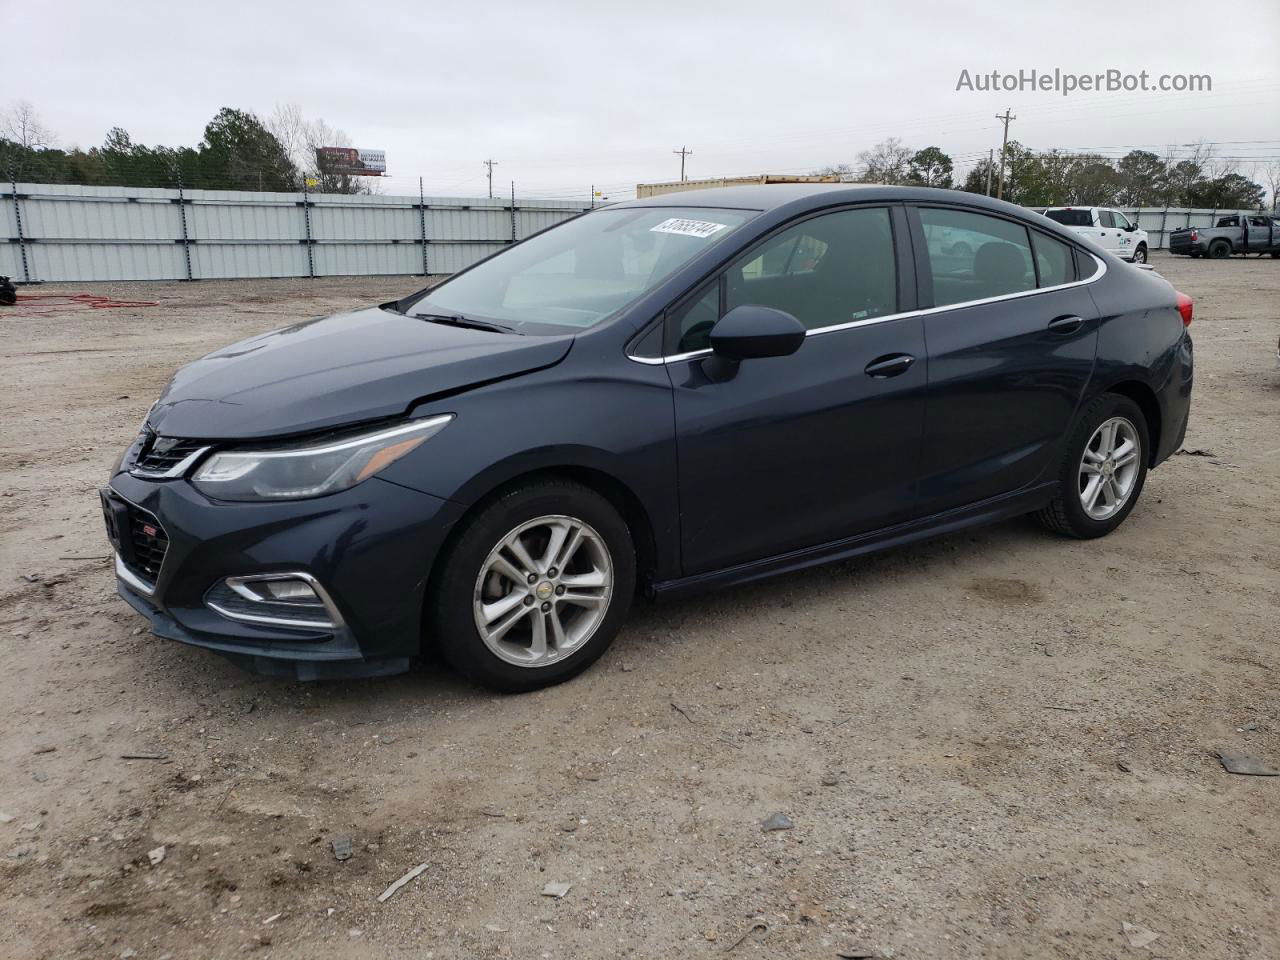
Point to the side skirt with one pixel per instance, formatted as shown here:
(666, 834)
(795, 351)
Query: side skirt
(988, 511)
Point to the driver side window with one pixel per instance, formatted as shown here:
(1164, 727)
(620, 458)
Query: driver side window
(826, 270)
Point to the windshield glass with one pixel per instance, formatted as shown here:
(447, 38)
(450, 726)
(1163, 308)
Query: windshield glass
(1071, 218)
(577, 274)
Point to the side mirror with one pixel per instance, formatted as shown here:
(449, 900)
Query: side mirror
(750, 332)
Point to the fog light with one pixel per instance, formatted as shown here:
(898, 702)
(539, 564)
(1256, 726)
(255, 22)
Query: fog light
(275, 599)
(296, 591)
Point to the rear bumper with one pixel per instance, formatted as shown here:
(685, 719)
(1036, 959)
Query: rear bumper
(371, 547)
(1175, 399)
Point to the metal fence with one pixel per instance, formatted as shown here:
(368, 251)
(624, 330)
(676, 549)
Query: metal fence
(68, 232)
(1159, 222)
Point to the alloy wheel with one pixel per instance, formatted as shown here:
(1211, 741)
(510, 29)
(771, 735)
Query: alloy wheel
(1109, 468)
(543, 591)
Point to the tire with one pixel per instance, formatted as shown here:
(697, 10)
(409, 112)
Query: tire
(1067, 514)
(473, 582)
(1140, 254)
(1275, 256)
(1220, 249)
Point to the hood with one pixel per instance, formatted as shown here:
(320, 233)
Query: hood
(335, 370)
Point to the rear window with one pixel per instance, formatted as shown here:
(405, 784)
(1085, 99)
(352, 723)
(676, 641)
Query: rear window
(1071, 218)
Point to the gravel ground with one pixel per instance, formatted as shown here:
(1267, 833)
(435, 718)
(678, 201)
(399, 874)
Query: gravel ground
(996, 744)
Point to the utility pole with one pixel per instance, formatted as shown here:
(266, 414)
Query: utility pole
(1006, 117)
(683, 152)
(490, 164)
(991, 165)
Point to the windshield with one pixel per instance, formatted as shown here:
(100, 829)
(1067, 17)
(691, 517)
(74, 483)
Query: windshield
(576, 274)
(1071, 218)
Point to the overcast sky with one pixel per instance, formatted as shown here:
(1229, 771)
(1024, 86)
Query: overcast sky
(564, 95)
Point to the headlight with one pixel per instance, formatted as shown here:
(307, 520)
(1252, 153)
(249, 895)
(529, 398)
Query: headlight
(287, 472)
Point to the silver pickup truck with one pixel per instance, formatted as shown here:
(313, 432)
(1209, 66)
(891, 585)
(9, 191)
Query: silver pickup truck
(1257, 233)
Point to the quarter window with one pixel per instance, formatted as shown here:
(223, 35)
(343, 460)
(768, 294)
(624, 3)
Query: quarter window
(1053, 260)
(973, 256)
(827, 270)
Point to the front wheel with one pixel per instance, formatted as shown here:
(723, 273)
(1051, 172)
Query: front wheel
(535, 588)
(1104, 470)
(1140, 255)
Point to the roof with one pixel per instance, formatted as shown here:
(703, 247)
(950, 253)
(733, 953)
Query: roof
(770, 196)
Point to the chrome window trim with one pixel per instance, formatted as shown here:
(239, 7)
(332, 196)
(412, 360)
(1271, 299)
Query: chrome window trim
(177, 470)
(818, 331)
(236, 583)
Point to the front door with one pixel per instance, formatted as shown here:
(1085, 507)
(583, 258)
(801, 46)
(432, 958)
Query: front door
(791, 452)
(1010, 353)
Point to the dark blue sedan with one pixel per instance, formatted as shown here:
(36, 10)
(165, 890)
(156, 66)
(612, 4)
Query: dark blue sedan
(683, 392)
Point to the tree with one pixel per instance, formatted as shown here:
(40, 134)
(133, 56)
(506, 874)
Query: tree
(1230, 191)
(929, 167)
(1272, 173)
(300, 138)
(1143, 177)
(887, 162)
(239, 153)
(22, 125)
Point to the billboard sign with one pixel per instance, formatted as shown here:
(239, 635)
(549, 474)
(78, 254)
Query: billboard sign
(352, 162)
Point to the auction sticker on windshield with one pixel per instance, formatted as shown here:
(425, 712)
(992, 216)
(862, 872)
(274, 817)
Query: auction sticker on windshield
(689, 228)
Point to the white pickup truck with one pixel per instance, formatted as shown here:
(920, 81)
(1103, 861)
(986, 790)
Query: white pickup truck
(1107, 227)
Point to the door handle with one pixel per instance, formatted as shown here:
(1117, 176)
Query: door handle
(1066, 324)
(889, 365)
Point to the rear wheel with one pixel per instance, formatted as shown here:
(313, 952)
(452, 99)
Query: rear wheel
(1220, 249)
(536, 587)
(1104, 470)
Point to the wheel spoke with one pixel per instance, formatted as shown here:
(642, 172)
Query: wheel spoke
(570, 548)
(559, 533)
(496, 609)
(514, 617)
(558, 639)
(1090, 469)
(538, 648)
(508, 569)
(1091, 491)
(1108, 440)
(596, 578)
(1125, 454)
(582, 599)
(517, 548)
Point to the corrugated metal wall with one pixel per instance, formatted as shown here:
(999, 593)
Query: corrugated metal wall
(72, 232)
(1159, 222)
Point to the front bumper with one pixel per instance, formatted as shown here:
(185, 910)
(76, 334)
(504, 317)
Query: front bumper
(371, 547)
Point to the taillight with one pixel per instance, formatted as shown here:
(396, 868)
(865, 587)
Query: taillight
(1185, 306)
(1195, 235)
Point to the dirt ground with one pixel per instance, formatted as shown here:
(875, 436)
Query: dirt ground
(996, 744)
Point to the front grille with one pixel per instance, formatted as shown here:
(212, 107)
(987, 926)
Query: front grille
(149, 543)
(159, 455)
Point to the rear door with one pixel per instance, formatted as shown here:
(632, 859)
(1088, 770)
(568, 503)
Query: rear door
(792, 452)
(1012, 337)
(1109, 233)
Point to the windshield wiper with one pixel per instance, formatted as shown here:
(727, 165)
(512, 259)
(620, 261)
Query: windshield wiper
(457, 320)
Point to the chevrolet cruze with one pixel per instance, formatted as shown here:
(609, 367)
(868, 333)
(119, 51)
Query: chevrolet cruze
(678, 393)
